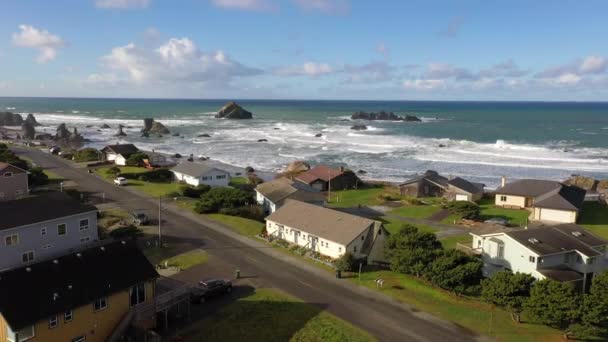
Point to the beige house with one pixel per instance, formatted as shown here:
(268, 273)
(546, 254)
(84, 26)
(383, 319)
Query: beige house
(272, 195)
(13, 182)
(547, 201)
(329, 232)
(432, 184)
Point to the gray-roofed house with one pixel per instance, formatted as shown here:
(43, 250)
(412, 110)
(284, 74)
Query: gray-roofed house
(565, 252)
(13, 182)
(41, 227)
(119, 153)
(328, 232)
(195, 174)
(432, 184)
(547, 201)
(273, 194)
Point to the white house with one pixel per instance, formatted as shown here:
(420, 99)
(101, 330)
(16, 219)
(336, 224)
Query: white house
(547, 201)
(119, 153)
(329, 232)
(198, 173)
(565, 252)
(272, 195)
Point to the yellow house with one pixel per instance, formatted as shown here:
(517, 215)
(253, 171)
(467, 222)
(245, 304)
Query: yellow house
(547, 201)
(83, 296)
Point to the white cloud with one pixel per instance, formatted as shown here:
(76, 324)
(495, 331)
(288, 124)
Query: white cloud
(307, 69)
(424, 84)
(245, 5)
(122, 3)
(593, 65)
(128, 59)
(43, 40)
(445, 71)
(325, 6)
(565, 79)
(177, 51)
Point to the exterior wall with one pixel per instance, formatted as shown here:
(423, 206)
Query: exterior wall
(31, 239)
(196, 181)
(511, 201)
(319, 185)
(422, 189)
(515, 256)
(553, 215)
(95, 326)
(111, 156)
(269, 207)
(120, 160)
(411, 190)
(14, 186)
(3, 329)
(377, 252)
(345, 181)
(293, 235)
(356, 245)
(453, 193)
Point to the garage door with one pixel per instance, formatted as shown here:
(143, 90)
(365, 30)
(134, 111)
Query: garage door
(462, 197)
(556, 215)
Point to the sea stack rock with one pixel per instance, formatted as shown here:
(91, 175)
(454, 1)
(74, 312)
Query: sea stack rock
(28, 131)
(359, 127)
(10, 119)
(32, 120)
(75, 136)
(233, 111)
(62, 133)
(148, 122)
(298, 166)
(382, 115)
(105, 126)
(158, 128)
(120, 133)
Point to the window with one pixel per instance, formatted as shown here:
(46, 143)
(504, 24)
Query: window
(79, 339)
(43, 231)
(23, 334)
(540, 260)
(532, 259)
(503, 198)
(11, 240)
(501, 251)
(62, 229)
(590, 261)
(339, 249)
(68, 315)
(100, 304)
(220, 177)
(85, 239)
(138, 294)
(566, 258)
(52, 322)
(205, 178)
(579, 259)
(27, 257)
(355, 249)
(380, 231)
(362, 238)
(84, 224)
(8, 174)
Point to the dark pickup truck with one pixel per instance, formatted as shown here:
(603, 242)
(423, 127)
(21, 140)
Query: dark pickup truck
(210, 288)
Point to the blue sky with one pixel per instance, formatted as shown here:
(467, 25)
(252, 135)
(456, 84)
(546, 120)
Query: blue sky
(305, 49)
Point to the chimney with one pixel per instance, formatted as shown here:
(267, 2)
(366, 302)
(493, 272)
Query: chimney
(503, 181)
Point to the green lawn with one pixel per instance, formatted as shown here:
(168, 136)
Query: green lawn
(594, 217)
(352, 198)
(240, 225)
(451, 241)
(188, 259)
(417, 211)
(149, 188)
(469, 313)
(238, 181)
(517, 217)
(269, 315)
(111, 217)
(394, 225)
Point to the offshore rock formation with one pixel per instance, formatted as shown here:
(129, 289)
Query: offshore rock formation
(233, 111)
(10, 119)
(382, 115)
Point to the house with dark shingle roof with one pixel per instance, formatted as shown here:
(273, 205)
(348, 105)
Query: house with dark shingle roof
(273, 194)
(432, 184)
(322, 178)
(13, 182)
(546, 200)
(119, 153)
(83, 296)
(565, 252)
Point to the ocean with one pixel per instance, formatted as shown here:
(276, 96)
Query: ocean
(480, 141)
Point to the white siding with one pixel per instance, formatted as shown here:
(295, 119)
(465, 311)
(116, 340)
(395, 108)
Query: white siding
(293, 235)
(510, 201)
(269, 206)
(553, 215)
(210, 178)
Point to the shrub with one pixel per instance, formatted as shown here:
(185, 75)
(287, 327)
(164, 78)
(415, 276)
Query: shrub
(249, 212)
(37, 176)
(129, 231)
(86, 155)
(508, 291)
(345, 263)
(156, 176)
(206, 207)
(411, 251)
(137, 159)
(456, 271)
(114, 170)
(553, 303)
(217, 198)
(464, 209)
(8, 156)
(194, 192)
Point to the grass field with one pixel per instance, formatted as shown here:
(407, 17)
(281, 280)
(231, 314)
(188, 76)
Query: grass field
(417, 211)
(489, 210)
(471, 314)
(240, 225)
(451, 241)
(352, 198)
(393, 226)
(269, 315)
(238, 181)
(188, 259)
(149, 188)
(594, 217)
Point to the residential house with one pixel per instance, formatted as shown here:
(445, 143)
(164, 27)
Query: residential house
(272, 195)
(565, 252)
(323, 178)
(45, 226)
(119, 153)
(198, 173)
(547, 201)
(78, 297)
(432, 184)
(156, 160)
(329, 232)
(13, 182)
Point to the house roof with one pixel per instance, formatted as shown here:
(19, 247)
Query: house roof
(322, 172)
(278, 190)
(40, 208)
(557, 239)
(528, 187)
(326, 223)
(561, 273)
(194, 169)
(10, 168)
(431, 176)
(547, 194)
(44, 289)
(122, 149)
(465, 185)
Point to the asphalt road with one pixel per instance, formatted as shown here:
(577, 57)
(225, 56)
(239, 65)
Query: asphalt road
(386, 321)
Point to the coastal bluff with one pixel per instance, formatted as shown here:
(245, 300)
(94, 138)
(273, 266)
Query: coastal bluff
(231, 110)
(382, 115)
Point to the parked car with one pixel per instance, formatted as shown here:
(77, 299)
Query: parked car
(210, 288)
(121, 181)
(139, 217)
(55, 150)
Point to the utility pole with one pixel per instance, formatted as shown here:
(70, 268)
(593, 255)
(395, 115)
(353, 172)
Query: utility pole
(160, 243)
(328, 186)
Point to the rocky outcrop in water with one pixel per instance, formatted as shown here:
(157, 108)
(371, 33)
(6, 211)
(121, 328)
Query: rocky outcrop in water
(31, 120)
(233, 111)
(105, 126)
(359, 127)
(62, 132)
(382, 115)
(63, 135)
(27, 131)
(75, 136)
(10, 119)
(152, 127)
(120, 133)
(147, 124)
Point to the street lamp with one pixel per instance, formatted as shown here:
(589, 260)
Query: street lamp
(60, 186)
